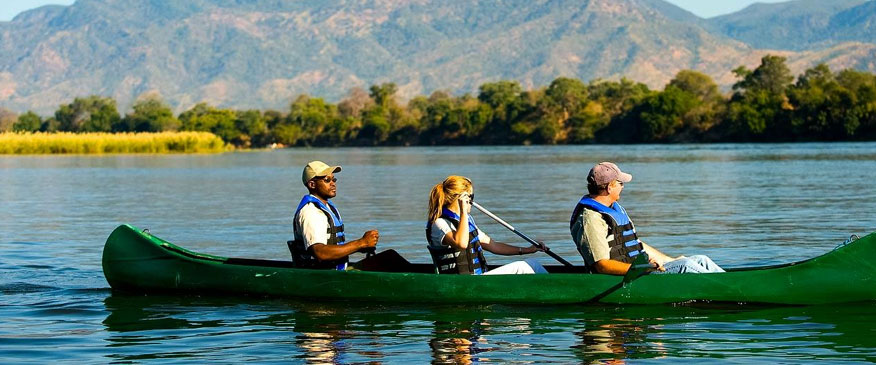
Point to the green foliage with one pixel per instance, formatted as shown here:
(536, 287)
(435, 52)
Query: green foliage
(831, 107)
(661, 114)
(765, 106)
(750, 117)
(507, 101)
(503, 97)
(375, 126)
(50, 125)
(313, 120)
(383, 94)
(449, 120)
(205, 118)
(705, 114)
(385, 121)
(91, 114)
(584, 125)
(150, 115)
(28, 122)
(772, 76)
(863, 86)
(565, 96)
(253, 128)
(759, 107)
(617, 97)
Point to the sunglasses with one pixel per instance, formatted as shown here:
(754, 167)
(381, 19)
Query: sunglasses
(326, 179)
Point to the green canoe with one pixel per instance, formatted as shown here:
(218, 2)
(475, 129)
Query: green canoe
(138, 262)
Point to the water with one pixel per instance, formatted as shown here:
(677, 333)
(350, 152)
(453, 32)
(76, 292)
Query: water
(740, 204)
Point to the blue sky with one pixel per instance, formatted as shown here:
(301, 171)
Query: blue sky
(10, 8)
(703, 8)
(710, 8)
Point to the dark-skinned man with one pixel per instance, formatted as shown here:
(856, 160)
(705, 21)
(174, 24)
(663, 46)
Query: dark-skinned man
(320, 242)
(605, 235)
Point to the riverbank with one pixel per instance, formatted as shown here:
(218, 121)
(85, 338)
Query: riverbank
(102, 143)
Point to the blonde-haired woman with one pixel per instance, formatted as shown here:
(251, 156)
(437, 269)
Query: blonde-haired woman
(455, 242)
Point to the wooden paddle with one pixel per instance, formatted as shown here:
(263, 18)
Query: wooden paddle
(530, 240)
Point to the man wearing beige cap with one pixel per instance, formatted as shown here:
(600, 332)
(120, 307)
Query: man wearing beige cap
(605, 234)
(320, 242)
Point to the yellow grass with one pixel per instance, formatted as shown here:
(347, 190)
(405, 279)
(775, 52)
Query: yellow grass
(97, 143)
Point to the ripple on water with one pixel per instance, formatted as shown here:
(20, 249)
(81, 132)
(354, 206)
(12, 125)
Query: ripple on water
(24, 288)
(740, 204)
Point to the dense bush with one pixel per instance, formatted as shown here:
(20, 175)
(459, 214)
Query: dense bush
(766, 104)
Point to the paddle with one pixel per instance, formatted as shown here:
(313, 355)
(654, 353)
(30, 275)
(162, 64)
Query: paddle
(637, 269)
(530, 240)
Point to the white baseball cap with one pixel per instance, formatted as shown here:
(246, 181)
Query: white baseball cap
(317, 168)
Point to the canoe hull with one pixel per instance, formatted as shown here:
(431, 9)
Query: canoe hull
(138, 262)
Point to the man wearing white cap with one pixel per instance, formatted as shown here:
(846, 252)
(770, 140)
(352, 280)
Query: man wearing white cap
(605, 234)
(319, 230)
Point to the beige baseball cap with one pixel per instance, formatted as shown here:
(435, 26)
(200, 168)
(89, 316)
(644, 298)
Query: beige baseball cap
(606, 172)
(317, 168)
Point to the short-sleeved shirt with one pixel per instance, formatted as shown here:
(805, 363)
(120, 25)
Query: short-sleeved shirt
(313, 226)
(442, 227)
(590, 233)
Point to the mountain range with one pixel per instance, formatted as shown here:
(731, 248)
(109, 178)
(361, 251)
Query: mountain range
(263, 53)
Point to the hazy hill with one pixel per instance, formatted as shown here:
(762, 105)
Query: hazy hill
(261, 53)
(800, 25)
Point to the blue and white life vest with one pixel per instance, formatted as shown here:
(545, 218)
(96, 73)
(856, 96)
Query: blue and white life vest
(624, 244)
(451, 260)
(301, 256)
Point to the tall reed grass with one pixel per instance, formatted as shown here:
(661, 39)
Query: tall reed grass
(98, 143)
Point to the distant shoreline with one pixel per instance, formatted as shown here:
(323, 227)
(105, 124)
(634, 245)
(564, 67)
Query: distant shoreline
(768, 104)
(65, 143)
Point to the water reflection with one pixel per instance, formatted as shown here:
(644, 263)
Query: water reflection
(238, 329)
(322, 344)
(239, 205)
(322, 335)
(610, 343)
(457, 342)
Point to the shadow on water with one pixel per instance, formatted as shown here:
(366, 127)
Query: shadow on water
(155, 327)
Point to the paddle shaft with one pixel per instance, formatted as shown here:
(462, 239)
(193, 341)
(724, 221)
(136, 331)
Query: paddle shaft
(512, 229)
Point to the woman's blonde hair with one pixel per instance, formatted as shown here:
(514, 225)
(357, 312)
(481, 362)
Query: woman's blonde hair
(445, 193)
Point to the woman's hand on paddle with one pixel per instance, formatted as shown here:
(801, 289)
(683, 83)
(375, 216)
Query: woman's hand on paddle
(464, 202)
(534, 248)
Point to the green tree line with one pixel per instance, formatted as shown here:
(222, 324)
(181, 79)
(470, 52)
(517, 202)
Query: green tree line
(766, 104)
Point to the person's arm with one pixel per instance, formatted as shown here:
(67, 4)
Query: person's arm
(658, 257)
(614, 267)
(459, 239)
(324, 252)
(611, 267)
(502, 248)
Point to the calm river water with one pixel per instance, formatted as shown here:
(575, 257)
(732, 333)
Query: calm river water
(740, 204)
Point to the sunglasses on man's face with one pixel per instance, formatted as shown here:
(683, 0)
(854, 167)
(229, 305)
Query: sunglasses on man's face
(326, 179)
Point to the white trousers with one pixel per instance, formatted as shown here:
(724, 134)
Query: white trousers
(528, 266)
